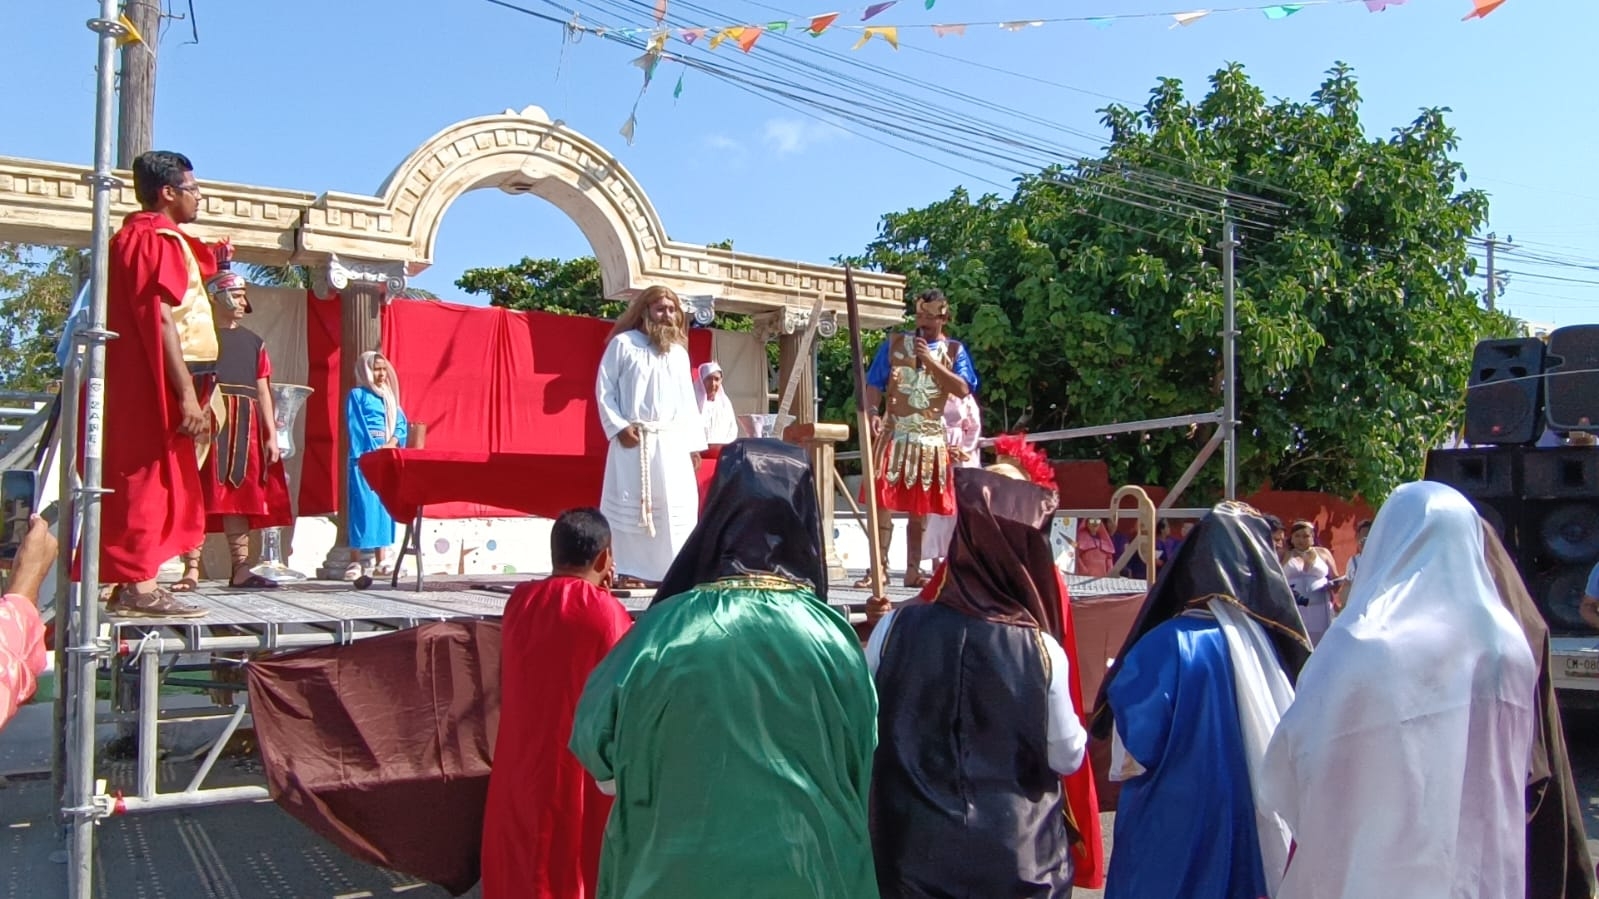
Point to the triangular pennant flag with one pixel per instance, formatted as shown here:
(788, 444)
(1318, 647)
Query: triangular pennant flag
(1282, 12)
(1482, 8)
(1189, 18)
(1100, 22)
(944, 30)
(660, 11)
(930, 4)
(888, 33)
(627, 129)
(777, 27)
(678, 91)
(724, 34)
(1019, 26)
(130, 34)
(821, 23)
(657, 43)
(690, 35)
(746, 40)
(1380, 5)
(876, 8)
(647, 62)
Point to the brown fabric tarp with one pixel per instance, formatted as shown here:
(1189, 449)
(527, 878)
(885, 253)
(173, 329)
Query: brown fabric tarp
(383, 746)
(1103, 623)
(1558, 862)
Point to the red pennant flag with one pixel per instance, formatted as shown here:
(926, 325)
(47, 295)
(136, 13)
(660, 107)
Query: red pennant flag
(1482, 8)
(660, 11)
(821, 23)
(746, 41)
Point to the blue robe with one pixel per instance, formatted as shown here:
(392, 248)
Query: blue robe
(1185, 828)
(371, 525)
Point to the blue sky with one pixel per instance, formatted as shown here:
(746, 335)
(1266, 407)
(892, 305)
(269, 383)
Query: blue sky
(331, 95)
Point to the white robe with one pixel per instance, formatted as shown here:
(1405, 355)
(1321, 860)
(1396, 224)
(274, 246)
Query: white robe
(638, 385)
(1401, 766)
(721, 423)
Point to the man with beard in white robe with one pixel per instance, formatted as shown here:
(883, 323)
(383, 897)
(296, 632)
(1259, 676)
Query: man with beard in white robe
(645, 396)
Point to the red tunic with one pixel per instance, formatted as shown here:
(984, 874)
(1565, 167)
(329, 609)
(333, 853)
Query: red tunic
(156, 510)
(1082, 794)
(545, 819)
(259, 492)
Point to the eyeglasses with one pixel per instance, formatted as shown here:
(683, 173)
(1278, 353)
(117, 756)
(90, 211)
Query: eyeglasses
(188, 188)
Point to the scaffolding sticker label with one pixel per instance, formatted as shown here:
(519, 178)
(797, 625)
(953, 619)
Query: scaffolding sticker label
(94, 418)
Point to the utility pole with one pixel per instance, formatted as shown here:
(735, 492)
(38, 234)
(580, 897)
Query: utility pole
(1492, 243)
(136, 105)
(1229, 363)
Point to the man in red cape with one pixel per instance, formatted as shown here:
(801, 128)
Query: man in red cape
(546, 817)
(1021, 459)
(157, 305)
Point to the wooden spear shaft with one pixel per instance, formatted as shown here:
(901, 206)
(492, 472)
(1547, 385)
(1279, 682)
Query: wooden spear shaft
(877, 574)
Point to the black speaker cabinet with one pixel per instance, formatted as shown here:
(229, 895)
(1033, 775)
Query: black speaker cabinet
(1504, 399)
(1571, 379)
(1559, 531)
(1488, 476)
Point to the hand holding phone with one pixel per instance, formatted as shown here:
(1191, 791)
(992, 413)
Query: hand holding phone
(19, 490)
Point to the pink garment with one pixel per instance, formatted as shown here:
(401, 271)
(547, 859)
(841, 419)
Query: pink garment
(21, 653)
(1095, 555)
(963, 428)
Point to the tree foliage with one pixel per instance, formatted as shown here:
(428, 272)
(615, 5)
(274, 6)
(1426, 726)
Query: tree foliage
(35, 298)
(1094, 293)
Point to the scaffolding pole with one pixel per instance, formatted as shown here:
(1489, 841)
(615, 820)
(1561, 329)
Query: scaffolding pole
(1229, 360)
(83, 650)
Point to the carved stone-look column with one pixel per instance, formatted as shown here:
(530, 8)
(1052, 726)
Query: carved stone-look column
(787, 326)
(821, 442)
(363, 288)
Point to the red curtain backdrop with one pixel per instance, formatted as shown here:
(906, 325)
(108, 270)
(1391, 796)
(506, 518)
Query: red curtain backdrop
(319, 473)
(486, 379)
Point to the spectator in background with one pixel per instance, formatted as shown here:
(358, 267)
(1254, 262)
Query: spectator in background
(1279, 537)
(1342, 596)
(1165, 544)
(1313, 575)
(1096, 549)
(22, 653)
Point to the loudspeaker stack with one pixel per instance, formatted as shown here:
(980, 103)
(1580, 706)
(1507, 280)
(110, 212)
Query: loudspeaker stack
(1543, 501)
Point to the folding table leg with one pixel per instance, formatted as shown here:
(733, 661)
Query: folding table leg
(417, 550)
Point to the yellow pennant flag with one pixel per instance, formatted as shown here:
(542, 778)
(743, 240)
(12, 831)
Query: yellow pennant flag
(888, 33)
(132, 35)
(725, 34)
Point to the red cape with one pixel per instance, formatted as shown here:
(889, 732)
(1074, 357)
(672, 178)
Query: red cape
(1082, 796)
(545, 819)
(156, 510)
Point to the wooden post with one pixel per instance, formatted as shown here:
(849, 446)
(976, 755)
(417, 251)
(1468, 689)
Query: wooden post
(136, 103)
(878, 605)
(820, 441)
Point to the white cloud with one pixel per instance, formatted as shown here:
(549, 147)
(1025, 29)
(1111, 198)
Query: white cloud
(724, 143)
(789, 136)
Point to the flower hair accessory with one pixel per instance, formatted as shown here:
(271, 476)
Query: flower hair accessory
(1015, 450)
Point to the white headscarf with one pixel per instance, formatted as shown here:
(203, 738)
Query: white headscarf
(1401, 765)
(706, 370)
(721, 423)
(390, 393)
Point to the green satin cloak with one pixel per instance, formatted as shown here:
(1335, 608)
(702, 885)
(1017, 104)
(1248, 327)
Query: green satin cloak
(738, 721)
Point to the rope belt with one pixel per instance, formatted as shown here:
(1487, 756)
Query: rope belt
(648, 433)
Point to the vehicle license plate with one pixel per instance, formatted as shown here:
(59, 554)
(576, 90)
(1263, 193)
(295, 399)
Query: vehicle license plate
(1582, 666)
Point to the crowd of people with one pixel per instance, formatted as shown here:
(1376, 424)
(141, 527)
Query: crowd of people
(739, 739)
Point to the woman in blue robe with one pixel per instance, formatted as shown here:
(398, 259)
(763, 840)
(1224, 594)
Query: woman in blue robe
(375, 421)
(1218, 643)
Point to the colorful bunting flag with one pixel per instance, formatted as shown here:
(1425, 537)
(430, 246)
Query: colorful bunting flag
(628, 128)
(746, 40)
(888, 33)
(660, 11)
(778, 27)
(130, 32)
(1020, 26)
(690, 35)
(876, 8)
(929, 4)
(1482, 8)
(821, 23)
(1380, 5)
(1189, 18)
(1100, 22)
(1281, 12)
(944, 30)
(678, 91)
(724, 34)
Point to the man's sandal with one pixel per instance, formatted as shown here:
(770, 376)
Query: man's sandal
(253, 582)
(158, 603)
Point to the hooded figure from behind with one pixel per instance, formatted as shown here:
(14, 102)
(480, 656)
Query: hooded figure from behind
(977, 720)
(1191, 702)
(736, 720)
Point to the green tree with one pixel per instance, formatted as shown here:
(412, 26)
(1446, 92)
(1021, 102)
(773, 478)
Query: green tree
(1094, 293)
(567, 286)
(35, 298)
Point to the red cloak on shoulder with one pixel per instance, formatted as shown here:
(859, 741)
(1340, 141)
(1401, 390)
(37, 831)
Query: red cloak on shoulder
(545, 819)
(156, 510)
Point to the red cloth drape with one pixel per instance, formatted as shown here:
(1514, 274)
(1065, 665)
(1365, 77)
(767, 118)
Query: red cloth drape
(493, 380)
(319, 470)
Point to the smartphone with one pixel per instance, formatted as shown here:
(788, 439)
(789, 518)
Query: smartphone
(19, 494)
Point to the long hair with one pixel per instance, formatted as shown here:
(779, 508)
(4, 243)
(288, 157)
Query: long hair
(390, 392)
(632, 319)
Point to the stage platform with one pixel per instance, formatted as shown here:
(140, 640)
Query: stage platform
(322, 613)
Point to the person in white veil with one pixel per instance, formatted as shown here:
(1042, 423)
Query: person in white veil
(1401, 766)
(721, 424)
